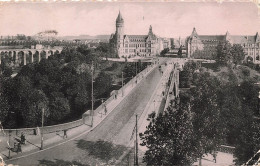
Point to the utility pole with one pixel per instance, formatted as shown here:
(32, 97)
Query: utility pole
(122, 83)
(136, 146)
(92, 94)
(42, 129)
(136, 71)
(9, 153)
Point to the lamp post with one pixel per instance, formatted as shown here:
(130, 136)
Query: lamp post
(9, 152)
(92, 94)
(41, 129)
(259, 102)
(122, 83)
(154, 105)
(136, 141)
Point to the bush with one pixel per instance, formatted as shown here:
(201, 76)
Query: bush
(246, 72)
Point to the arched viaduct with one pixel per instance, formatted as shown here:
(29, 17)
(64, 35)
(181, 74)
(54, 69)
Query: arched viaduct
(25, 56)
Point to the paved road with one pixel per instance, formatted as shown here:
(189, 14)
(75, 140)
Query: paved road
(116, 128)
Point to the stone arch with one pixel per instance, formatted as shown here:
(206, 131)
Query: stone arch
(21, 58)
(1, 56)
(30, 57)
(10, 54)
(15, 56)
(51, 52)
(36, 56)
(58, 51)
(43, 54)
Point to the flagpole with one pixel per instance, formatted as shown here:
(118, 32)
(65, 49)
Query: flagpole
(136, 145)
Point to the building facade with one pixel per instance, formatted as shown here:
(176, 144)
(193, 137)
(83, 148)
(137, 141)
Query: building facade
(136, 45)
(208, 43)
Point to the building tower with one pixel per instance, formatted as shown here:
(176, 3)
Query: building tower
(150, 30)
(120, 34)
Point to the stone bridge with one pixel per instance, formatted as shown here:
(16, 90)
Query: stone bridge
(25, 56)
(172, 92)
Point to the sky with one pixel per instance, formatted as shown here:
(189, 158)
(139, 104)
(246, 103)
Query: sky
(168, 19)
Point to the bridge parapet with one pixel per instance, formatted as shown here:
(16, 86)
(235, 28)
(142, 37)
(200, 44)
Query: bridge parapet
(173, 91)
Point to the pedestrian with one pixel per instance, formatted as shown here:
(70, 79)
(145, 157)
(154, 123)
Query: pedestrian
(65, 134)
(23, 140)
(1, 128)
(105, 109)
(19, 148)
(214, 156)
(38, 130)
(163, 93)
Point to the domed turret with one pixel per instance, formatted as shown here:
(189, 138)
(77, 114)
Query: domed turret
(120, 25)
(119, 18)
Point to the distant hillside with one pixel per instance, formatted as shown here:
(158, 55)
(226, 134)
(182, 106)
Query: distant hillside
(85, 37)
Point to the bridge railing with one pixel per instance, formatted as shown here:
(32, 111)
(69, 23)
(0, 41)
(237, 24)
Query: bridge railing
(44, 130)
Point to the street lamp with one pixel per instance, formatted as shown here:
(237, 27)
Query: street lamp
(42, 129)
(154, 105)
(259, 102)
(9, 152)
(122, 83)
(92, 93)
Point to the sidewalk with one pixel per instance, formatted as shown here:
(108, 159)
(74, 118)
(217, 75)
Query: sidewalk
(55, 139)
(152, 105)
(222, 159)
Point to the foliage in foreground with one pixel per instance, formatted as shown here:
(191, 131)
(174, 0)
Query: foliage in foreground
(222, 112)
(169, 138)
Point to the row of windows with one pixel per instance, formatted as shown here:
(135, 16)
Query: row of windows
(137, 40)
(133, 50)
(138, 45)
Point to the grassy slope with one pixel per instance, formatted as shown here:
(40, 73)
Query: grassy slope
(224, 73)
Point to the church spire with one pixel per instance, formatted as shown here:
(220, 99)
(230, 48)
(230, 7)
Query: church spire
(257, 37)
(228, 37)
(150, 30)
(194, 33)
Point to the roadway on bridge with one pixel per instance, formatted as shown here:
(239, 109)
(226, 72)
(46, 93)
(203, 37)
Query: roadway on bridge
(116, 128)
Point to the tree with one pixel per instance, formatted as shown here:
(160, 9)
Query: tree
(180, 52)
(248, 142)
(206, 121)
(59, 108)
(169, 138)
(224, 55)
(102, 84)
(21, 37)
(237, 54)
(107, 50)
(187, 73)
(164, 51)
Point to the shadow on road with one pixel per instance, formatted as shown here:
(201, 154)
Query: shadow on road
(106, 151)
(60, 162)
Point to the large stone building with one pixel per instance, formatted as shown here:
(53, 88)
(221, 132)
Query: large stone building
(136, 45)
(208, 43)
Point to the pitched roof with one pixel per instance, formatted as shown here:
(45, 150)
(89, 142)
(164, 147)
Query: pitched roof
(212, 37)
(137, 37)
(239, 39)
